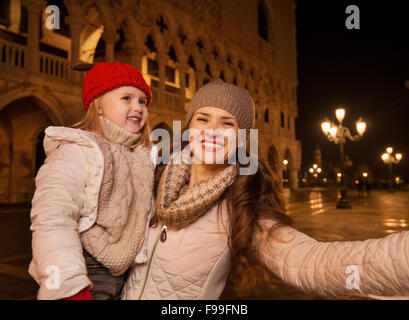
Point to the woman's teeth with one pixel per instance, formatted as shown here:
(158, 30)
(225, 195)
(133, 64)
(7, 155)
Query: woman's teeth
(211, 145)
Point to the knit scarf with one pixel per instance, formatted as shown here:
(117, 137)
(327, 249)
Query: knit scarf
(178, 205)
(124, 200)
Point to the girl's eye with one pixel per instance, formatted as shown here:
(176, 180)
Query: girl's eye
(201, 119)
(142, 101)
(228, 124)
(126, 98)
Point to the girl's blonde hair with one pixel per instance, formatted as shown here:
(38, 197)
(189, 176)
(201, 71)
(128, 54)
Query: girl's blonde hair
(91, 123)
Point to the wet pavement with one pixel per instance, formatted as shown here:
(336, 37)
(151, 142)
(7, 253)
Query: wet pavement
(313, 211)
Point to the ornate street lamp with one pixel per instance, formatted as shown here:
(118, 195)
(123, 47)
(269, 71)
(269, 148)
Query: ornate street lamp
(388, 159)
(315, 172)
(339, 134)
(285, 175)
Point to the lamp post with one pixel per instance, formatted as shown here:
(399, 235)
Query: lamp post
(388, 159)
(285, 176)
(339, 134)
(315, 172)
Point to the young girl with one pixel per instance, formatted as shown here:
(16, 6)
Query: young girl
(93, 197)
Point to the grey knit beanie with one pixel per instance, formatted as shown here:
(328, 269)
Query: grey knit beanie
(225, 96)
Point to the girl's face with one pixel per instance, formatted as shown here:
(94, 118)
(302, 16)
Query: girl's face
(213, 135)
(126, 107)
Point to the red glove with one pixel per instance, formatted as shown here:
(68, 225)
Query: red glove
(84, 294)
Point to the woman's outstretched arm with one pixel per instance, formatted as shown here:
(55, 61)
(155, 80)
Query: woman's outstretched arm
(372, 268)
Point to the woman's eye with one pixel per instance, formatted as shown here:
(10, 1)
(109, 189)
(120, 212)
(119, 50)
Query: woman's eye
(201, 119)
(126, 98)
(228, 124)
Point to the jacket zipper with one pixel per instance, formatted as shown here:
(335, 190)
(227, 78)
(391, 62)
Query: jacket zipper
(162, 235)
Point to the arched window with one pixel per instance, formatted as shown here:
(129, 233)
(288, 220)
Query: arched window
(150, 65)
(266, 115)
(262, 22)
(191, 63)
(222, 75)
(282, 119)
(150, 44)
(99, 53)
(207, 70)
(5, 12)
(23, 19)
(171, 72)
(65, 28)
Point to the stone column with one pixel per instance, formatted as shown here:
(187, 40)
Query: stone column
(162, 60)
(34, 9)
(135, 54)
(200, 75)
(183, 67)
(293, 178)
(110, 37)
(76, 25)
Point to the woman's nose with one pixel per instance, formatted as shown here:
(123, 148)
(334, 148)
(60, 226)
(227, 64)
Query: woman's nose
(213, 132)
(212, 126)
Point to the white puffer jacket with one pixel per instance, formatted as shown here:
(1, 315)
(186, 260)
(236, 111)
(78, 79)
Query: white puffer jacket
(65, 204)
(193, 263)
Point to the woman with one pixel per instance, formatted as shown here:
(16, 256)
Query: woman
(210, 221)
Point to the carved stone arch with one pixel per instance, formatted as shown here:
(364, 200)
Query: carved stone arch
(180, 51)
(289, 155)
(50, 104)
(90, 34)
(160, 41)
(199, 61)
(136, 32)
(108, 15)
(269, 12)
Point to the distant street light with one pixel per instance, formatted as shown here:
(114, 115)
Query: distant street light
(315, 171)
(388, 159)
(338, 134)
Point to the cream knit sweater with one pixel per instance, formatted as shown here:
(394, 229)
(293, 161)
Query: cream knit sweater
(124, 201)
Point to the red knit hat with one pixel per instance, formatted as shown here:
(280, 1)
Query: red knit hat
(106, 76)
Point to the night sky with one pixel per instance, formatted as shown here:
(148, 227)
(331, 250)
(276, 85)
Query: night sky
(362, 70)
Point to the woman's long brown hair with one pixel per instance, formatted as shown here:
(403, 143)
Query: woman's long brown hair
(249, 198)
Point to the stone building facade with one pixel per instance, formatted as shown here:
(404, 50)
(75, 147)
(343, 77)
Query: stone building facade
(178, 45)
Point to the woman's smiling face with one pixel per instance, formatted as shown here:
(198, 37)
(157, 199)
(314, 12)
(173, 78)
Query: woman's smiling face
(213, 135)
